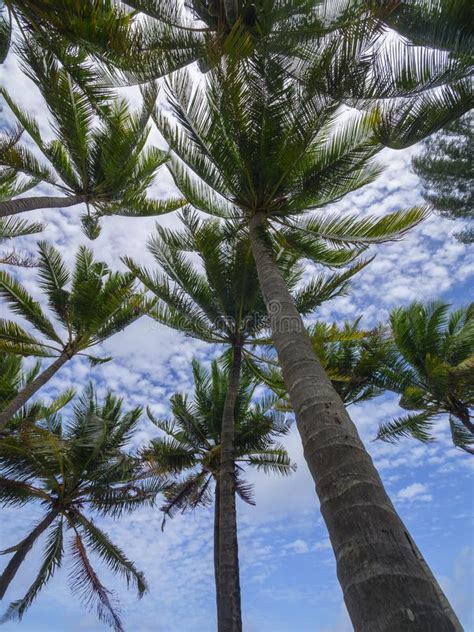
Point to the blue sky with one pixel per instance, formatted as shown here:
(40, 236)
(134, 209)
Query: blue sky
(288, 571)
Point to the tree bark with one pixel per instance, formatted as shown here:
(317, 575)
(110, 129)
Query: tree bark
(228, 610)
(23, 396)
(217, 506)
(22, 205)
(386, 583)
(23, 548)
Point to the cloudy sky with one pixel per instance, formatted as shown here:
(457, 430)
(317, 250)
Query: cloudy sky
(288, 571)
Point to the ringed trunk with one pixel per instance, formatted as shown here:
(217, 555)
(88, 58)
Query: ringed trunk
(22, 550)
(23, 396)
(217, 505)
(228, 609)
(22, 205)
(387, 585)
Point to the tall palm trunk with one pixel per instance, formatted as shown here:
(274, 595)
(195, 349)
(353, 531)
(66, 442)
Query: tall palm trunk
(22, 550)
(228, 609)
(217, 506)
(22, 205)
(29, 390)
(386, 583)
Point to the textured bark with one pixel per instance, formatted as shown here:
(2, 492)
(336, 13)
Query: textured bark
(29, 390)
(217, 506)
(386, 583)
(22, 205)
(228, 609)
(25, 545)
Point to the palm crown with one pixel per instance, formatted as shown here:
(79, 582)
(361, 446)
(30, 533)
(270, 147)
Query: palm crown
(432, 368)
(265, 146)
(222, 303)
(98, 155)
(173, 35)
(97, 304)
(73, 469)
(191, 445)
(352, 358)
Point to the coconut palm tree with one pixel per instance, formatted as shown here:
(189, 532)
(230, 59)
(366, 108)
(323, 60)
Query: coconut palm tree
(190, 452)
(432, 368)
(223, 305)
(72, 469)
(98, 304)
(102, 29)
(13, 379)
(353, 359)
(98, 155)
(267, 150)
(175, 34)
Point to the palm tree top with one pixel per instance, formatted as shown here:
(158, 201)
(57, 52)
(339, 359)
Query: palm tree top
(432, 369)
(76, 468)
(351, 356)
(89, 305)
(193, 435)
(219, 300)
(173, 35)
(273, 149)
(99, 154)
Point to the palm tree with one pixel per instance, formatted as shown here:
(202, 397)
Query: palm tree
(266, 152)
(13, 379)
(223, 305)
(102, 29)
(71, 470)
(98, 304)
(190, 452)
(353, 359)
(98, 156)
(175, 34)
(432, 368)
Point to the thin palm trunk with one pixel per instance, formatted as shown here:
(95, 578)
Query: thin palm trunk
(22, 205)
(217, 506)
(228, 609)
(386, 583)
(23, 396)
(22, 550)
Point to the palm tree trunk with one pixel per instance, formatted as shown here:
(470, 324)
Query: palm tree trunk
(22, 205)
(29, 390)
(386, 583)
(217, 506)
(228, 609)
(22, 550)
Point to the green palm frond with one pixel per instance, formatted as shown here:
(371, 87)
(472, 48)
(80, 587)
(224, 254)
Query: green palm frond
(12, 227)
(100, 543)
(87, 585)
(352, 230)
(417, 426)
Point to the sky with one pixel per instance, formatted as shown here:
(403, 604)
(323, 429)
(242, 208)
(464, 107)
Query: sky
(288, 573)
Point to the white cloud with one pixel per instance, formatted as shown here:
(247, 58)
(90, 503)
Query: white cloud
(414, 492)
